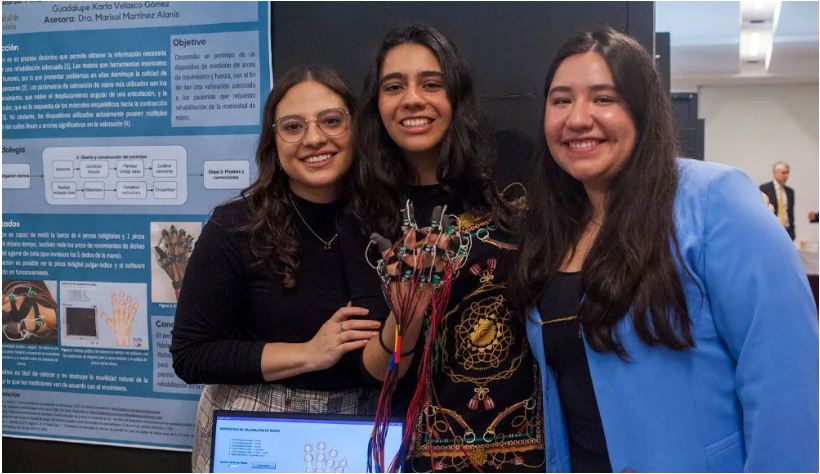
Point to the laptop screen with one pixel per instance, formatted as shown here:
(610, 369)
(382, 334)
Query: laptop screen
(288, 442)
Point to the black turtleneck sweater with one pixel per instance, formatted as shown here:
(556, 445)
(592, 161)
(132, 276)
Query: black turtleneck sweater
(230, 308)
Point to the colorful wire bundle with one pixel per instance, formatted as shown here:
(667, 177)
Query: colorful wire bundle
(432, 263)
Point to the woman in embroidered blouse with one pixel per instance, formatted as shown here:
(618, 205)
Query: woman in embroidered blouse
(421, 136)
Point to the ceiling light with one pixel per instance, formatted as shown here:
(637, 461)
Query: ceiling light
(754, 44)
(758, 23)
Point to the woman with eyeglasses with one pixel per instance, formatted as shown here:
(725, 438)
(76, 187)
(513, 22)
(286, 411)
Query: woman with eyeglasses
(263, 316)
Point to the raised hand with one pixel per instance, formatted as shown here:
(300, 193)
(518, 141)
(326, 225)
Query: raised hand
(413, 266)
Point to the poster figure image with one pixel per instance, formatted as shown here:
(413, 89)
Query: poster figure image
(319, 461)
(171, 246)
(123, 309)
(106, 315)
(29, 312)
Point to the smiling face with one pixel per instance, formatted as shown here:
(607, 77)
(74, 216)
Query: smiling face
(316, 164)
(413, 103)
(587, 124)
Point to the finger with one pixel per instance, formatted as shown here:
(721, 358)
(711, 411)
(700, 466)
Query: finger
(353, 345)
(437, 218)
(442, 242)
(431, 238)
(349, 336)
(411, 245)
(107, 320)
(408, 215)
(411, 259)
(442, 256)
(348, 311)
(392, 269)
(430, 241)
(114, 301)
(361, 324)
(446, 223)
(409, 239)
(382, 243)
(134, 309)
(161, 254)
(122, 296)
(439, 264)
(349, 304)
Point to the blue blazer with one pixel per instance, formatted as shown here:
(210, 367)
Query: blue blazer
(746, 397)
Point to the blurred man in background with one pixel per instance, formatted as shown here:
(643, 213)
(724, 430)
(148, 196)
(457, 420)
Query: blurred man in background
(781, 196)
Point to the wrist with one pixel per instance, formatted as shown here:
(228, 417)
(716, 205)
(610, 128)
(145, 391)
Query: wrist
(305, 357)
(407, 353)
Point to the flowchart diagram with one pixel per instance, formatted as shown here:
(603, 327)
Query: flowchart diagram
(123, 175)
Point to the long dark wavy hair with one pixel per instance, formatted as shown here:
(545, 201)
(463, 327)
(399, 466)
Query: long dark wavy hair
(271, 220)
(631, 265)
(380, 177)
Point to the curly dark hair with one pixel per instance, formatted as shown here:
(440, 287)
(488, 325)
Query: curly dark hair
(381, 177)
(271, 219)
(631, 265)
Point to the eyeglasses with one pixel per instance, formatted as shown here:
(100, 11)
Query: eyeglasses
(331, 122)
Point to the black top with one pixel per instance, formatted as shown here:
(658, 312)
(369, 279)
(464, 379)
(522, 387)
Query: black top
(484, 374)
(229, 308)
(565, 354)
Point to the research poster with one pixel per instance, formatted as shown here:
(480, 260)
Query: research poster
(124, 125)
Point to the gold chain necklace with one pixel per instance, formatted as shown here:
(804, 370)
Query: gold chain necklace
(326, 242)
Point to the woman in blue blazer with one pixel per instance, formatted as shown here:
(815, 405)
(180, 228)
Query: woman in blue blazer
(668, 311)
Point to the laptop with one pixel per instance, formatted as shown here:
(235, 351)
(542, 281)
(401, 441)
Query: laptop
(245, 441)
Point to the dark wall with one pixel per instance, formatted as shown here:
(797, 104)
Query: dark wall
(510, 46)
(662, 60)
(688, 127)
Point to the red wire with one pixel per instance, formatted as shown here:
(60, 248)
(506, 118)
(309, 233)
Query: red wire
(408, 305)
(425, 392)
